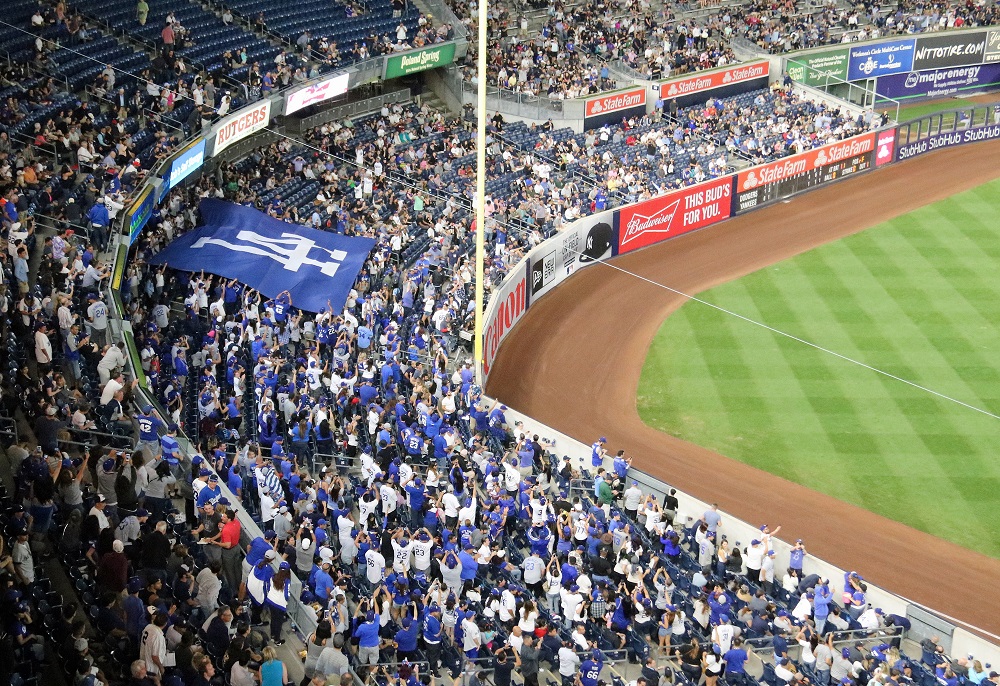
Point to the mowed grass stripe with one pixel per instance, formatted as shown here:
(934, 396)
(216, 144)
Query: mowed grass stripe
(937, 319)
(915, 297)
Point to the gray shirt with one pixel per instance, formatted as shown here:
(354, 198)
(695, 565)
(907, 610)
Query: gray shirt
(529, 660)
(332, 662)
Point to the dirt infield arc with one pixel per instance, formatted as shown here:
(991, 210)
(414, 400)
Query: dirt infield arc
(574, 360)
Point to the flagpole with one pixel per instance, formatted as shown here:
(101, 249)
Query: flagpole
(480, 193)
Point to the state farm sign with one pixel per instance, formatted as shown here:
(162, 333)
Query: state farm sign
(511, 304)
(674, 214)
(246, 122)
(616, 101)
(804, 161)
(715, 79)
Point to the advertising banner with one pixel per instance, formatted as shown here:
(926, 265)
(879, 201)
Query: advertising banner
(139, 213)
(185, 163)
(938, 83)
(819, 68)
(317, 267)
(880, 59)
(439, 55)
(512, 302)
(613, 107)
(239, 125)
(885, 147)
(586, 242)
(615, 102)
(949, 50)
(992, 52)
(775, 180)
(706, 81)
(673, 214)
(976, 134)
(317, 93)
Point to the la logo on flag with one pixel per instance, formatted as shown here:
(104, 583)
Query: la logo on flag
(270, 255)
(291, 251)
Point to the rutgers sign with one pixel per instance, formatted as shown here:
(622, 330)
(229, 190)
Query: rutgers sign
(244, 123)
(615, 102)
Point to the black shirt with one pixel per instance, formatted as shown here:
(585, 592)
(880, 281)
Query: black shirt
(502, 671)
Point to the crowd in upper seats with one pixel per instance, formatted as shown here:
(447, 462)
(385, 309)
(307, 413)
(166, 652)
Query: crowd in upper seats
(569, 56)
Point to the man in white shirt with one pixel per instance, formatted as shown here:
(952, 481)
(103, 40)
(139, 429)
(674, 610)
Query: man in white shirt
(451, 506)
(571, 600)
(153, 645)
(534, 572)
(422, 545)
(402, 553)
(43, 348)
(387, 494)
(723, 635)
(472, 638)
(569, 662)
(375, 562)
(632, 497)
(871, 618)
(113, 359)
(98, 511)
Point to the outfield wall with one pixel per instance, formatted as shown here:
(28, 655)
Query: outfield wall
(608, 234)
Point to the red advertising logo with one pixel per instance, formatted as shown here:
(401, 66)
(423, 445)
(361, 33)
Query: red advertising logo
(886, 147)
(704, 82)
(242, 124)
(512, 304)
(674, 214)
(804, 161)
(615, 102)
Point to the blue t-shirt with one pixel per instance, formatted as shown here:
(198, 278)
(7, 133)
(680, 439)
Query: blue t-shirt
(735, 660)
(364, 337)
(590, 671)
(432, 629)
(367, 634)
(148, 426)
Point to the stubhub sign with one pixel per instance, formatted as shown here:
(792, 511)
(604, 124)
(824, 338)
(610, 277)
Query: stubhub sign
(186, 163)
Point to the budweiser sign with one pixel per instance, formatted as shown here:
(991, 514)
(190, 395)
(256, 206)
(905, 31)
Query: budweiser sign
(673, 214)
(246, 122)
(615, 102)
(804, 161)
(716, 79)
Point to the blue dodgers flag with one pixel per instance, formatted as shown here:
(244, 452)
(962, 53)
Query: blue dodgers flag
(270, 255)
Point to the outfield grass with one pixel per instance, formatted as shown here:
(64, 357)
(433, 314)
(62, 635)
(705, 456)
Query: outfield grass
(917, 297)
(908, 112)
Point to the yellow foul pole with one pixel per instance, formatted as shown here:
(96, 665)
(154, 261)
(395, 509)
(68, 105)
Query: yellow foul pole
(480, 190)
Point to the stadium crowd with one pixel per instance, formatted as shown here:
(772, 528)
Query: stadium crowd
(570, 54)
(428, 533)
(424, 532)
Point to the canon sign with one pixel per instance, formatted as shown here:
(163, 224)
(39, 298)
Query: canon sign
(246, 122)
(512, 303)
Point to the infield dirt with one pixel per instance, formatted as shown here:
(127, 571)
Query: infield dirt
(574, 361)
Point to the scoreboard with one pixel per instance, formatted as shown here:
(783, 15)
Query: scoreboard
(785, 177)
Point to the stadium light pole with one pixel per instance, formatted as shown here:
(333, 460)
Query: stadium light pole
(480, 192)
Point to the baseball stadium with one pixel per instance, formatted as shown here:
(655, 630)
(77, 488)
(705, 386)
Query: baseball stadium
(434, 343)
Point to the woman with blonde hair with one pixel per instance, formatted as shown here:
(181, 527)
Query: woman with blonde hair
(272, 671)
